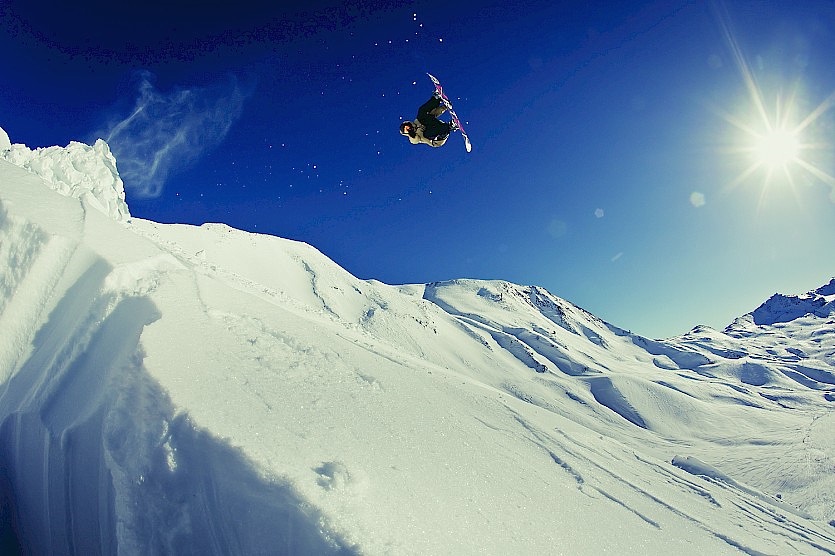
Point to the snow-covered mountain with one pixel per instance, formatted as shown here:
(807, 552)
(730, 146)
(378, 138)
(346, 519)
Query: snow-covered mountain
(171, 389)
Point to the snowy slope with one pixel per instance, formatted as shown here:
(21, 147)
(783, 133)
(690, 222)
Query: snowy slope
(180, 389)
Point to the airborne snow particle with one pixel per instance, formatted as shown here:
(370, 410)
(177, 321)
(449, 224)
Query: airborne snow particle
(697, 199)
(598, 213)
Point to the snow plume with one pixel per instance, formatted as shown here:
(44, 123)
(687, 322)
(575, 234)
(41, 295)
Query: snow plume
(169, 130)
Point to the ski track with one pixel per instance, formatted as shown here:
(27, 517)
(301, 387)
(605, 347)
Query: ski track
(778, 526)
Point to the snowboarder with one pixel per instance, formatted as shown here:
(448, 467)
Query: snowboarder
(427, 128)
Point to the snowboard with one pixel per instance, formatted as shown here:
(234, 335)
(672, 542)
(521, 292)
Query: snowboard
(451, 111)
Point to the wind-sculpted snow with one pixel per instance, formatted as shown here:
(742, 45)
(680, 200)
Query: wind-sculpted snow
(77, 170)
(176, 389)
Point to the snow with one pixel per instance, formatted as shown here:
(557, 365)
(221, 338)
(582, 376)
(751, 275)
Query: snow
(785, 308)
(77, 170)
(182, 389)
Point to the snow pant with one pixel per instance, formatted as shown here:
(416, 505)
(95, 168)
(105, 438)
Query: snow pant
(428, 115)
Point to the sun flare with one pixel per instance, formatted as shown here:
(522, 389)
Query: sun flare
(782, 140)
(777, 148)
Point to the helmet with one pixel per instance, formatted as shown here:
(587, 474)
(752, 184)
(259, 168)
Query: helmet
(405, 131)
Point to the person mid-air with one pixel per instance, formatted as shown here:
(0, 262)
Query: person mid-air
(427, 127)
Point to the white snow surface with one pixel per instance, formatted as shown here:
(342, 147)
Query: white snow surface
(5, 143)
(172, 389)
(77, 170)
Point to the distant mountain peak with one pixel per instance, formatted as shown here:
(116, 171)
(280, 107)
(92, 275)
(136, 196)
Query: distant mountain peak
(781, 308)
(827, 289)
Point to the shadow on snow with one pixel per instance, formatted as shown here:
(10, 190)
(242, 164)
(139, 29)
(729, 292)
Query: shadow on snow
(94, 459)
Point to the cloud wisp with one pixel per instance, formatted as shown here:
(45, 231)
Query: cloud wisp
(168, 131)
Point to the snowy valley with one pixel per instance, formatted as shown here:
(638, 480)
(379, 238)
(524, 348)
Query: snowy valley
(172, 389)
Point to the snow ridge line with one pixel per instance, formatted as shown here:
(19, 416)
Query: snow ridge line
(519, 342)
(196, 264)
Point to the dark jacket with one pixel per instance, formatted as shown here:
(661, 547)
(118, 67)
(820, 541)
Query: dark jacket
(427, 128)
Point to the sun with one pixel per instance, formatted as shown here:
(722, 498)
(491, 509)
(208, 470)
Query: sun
(777, 145)
(780, 137)
(777, 148)
(783, 145)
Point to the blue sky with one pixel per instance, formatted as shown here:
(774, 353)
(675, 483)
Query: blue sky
(611, 159)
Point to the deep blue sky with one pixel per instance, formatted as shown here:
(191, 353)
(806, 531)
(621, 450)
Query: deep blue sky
(608, 141)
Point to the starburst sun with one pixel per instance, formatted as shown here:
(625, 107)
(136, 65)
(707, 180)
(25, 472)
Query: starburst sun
(777, 148)
(782, 144)
(778, 144)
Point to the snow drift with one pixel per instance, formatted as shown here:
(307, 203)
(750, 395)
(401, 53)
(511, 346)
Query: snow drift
(180, 389)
